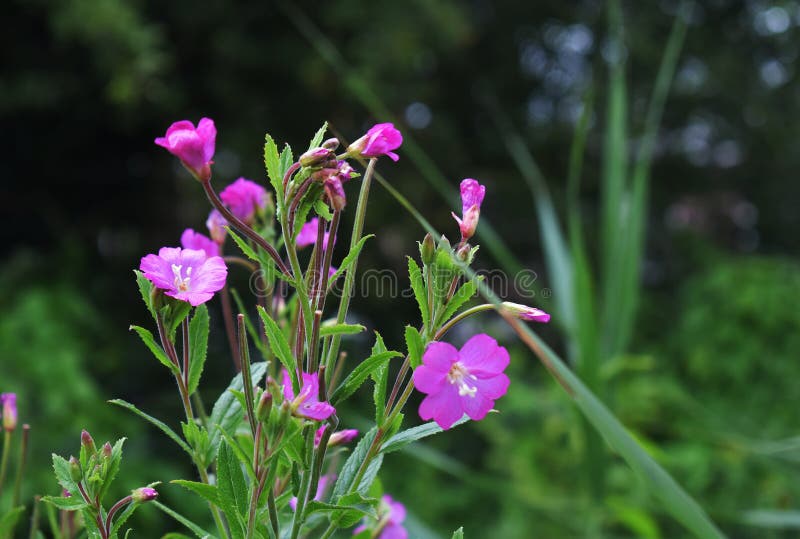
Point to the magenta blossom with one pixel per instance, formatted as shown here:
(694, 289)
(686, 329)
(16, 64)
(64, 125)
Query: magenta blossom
(244, 197)
(307, 403)
(459, 382)
(530, 314)
(185, 274)
(380, 140)
(144, 494)
(194, 240)
(472, 194)
(308, 234)
(9, 403)
(322, 485)
(216, 224)
(193, 146)
(391, 515)
(337, 438)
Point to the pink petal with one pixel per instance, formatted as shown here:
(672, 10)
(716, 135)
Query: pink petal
(288, 391)
(158, 271)
(429, 380)
(316, 410)
(443, 407)
(208, 135)
(482, 356)
(210, 276)
(477, 407)
(492, 388)
(440, 356)
(393, 531)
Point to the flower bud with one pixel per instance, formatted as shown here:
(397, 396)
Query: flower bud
(464, 252)
(193, 146)
(75, 472)
(380, 140)
(331, 144)
(9, 403)
(335, 193)
(216, 224)
(144, 494)
(524, 312)
(264, 407)
(106, 450)
(316, 157)
(472, 194)
(427, 249)
(444, 243)
(88, 443)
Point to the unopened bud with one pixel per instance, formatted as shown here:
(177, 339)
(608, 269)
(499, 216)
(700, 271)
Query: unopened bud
(88, 443)
(75, 472)
(9, 403)
(107, 450)
(427, 249)
(335, 192)
(316, 157)
(264, 407)
(524, 312)
(444, 243)
(331, 144)
(463, 253)
(144, 494)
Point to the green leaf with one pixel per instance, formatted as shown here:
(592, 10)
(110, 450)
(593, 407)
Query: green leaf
(122, 518)
(380, 377)
(773, 519)
(244, 458)
(227, 412)
(248, 251)
(351, 257)
(418, 286)
(197, 530)
(359, 375)
(61, 469)
(198, 338)
(157, 423)
(9, 521)
(174, 535)
(340, 329)
(232, 489)
(210, 493)
(279, 345)
(65, 504)
(444, 271)
(458, 534)
(155, 348)
(322, 209)
(316, 141)
(344, 484)
(113, 466)
(415, 345)
(286, 161)
(272, 164)
(462, 295)
(402, 439)
(175, 312)
(146, 290)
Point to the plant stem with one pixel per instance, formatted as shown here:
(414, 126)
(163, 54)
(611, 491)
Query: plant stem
(4, 461)
(35, 518)
(227, 316)
(23, 458)
(113, 511)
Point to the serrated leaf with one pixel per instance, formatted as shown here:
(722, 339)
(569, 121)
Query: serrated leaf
(458, 534)
(380, 377)
(209, 493)
(316, 140)
(248, 251)
(402, 439)
(198, 339)
(197, 530)
(272, 164)
(73, 503)
(279, 345)
(232, 489)
(359, 375)
(227, 412)
(444, 271)
(243, 457)
(344, 484)
(321, 208)
(113, 466)
(351, 257)
(61, 469)
(146, 290)
(155, 348)
(175, 312)
(415, 346)
(340, 329)
(286, 161)
(122, 518)
(418, 286)
(157, 423)
(462, 295)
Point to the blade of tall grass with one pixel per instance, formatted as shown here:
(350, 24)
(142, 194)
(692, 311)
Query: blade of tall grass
(376, 106)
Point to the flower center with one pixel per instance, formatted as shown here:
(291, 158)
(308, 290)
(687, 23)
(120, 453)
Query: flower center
(459, 375)
(181, 283)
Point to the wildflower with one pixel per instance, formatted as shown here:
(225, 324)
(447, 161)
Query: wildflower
(391, 514)
(144, 494)
(472, 194)
(307, 403)
(459, 382)
(193, 146)
(316, 157)
(185, 274)
(322, 484)
(216, 224)
(9, 403)
(308, 234)
(524, 312)
(380, 140)
(337, 438)
(194, 240)
(244, 197)
(333, 179)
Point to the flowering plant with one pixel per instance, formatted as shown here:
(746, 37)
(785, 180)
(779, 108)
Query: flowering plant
(268, 455)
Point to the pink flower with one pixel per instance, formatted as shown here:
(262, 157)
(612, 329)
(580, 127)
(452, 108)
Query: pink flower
(185, 274)
(472, 194)
(322, 484)
(380, 140)
(459, 382)
(308, 234)
(193, 146)
(9, 404)
(337, 438)
(307, 403)
(194, 240)
(531, 314)
(391, 514)
(243, 197)
(144, 494)
(216, 224)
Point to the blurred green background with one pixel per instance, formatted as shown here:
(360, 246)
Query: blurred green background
(709, 381)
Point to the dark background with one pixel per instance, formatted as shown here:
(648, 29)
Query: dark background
(86, 86)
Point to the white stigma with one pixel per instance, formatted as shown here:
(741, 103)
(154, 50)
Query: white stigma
(181, 283)
(457, 375)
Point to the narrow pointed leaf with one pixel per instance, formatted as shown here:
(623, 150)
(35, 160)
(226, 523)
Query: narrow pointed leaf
(198, 339)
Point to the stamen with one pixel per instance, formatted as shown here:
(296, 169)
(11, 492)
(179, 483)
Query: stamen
(182, 284)
(457, 375)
